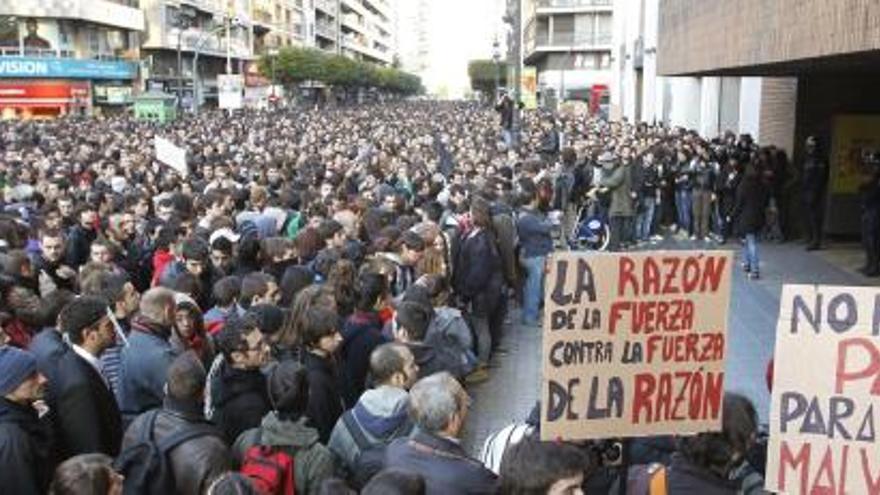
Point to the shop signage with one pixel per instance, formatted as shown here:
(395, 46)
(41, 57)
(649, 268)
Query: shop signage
(67, 68)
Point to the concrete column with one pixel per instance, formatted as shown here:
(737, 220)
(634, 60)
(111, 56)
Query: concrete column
(750, 106)
(683, 101)
(710, 100)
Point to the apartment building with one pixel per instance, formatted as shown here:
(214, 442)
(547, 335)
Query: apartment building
(569, 42)
(366, 30)
(67, 56)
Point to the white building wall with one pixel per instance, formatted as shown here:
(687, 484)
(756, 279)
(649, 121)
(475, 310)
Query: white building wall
(750, 106)
(690, 102)
(684, 101)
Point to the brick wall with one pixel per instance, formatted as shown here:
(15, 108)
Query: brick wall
(711, 35)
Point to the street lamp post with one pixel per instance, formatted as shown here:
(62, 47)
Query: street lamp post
(198, 49)
(273, 53)
(182, 22)
(496, 56)
(514, 19)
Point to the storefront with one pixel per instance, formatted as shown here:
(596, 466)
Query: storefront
(37, 87)
(23, 99)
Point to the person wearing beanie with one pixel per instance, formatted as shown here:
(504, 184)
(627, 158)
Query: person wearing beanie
(286, 427)
(25, 444)
(84, 414)
(201, 459)
(412, 322)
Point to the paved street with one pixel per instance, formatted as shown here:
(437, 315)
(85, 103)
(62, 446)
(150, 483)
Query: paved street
(515, 384)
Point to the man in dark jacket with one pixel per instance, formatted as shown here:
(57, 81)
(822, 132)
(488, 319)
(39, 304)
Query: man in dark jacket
(81, 236)
(25, 451)
(49, 264)
(241, 396)
(413, 320)
(814, 184)
(84, 413)
(505, 107)
(146, 358)
(199, 460)
(321, 339)
(439, 405)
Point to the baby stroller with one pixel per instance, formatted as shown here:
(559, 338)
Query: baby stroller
(591, 231)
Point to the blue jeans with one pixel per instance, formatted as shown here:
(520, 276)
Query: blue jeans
(750, 253)
(533, 291)
(683, 207)
(645, 220)
(507, 134)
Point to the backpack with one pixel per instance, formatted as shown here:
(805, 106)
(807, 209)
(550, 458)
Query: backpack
(270, 469)
(146, 465)
(647, 480)
(371, 458)
(499, 442)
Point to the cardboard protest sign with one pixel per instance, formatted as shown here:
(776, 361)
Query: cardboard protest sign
(634, 343)
(825, 405)
(172, 155)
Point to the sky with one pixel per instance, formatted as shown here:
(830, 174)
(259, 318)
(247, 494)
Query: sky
(460, 30)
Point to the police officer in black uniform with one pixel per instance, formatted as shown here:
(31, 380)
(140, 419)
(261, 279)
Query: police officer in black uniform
(869, 191)
(815, 181)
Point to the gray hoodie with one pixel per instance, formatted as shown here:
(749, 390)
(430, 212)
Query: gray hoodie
(312, 462)
(382, 415)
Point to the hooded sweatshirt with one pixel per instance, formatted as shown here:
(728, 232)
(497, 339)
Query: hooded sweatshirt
(382, 415)
(312, 462)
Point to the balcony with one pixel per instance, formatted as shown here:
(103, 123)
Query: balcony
(355, 22)
(326, 30)
(116, 13)
(560, 6)
(536, 45)
(327, 6)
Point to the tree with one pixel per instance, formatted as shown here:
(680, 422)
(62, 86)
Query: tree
(295, 65)
(484, 73)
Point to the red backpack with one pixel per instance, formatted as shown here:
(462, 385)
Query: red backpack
(270, 470)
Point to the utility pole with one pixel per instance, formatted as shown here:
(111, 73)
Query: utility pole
(496, 56)
(517, 69)
(228, 25)
(183, 22)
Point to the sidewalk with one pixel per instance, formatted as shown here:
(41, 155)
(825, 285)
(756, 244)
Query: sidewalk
(514, 384)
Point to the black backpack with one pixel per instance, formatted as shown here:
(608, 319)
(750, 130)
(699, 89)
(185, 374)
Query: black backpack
(371, 459)
(146, 464)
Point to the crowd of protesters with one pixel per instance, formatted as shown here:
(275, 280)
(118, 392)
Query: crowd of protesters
(305, 307)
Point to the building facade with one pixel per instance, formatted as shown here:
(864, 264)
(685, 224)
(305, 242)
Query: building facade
(60, 57)
(221, 32)
(367, 30)
(819, 64)
(711, 105)
(569, 42)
